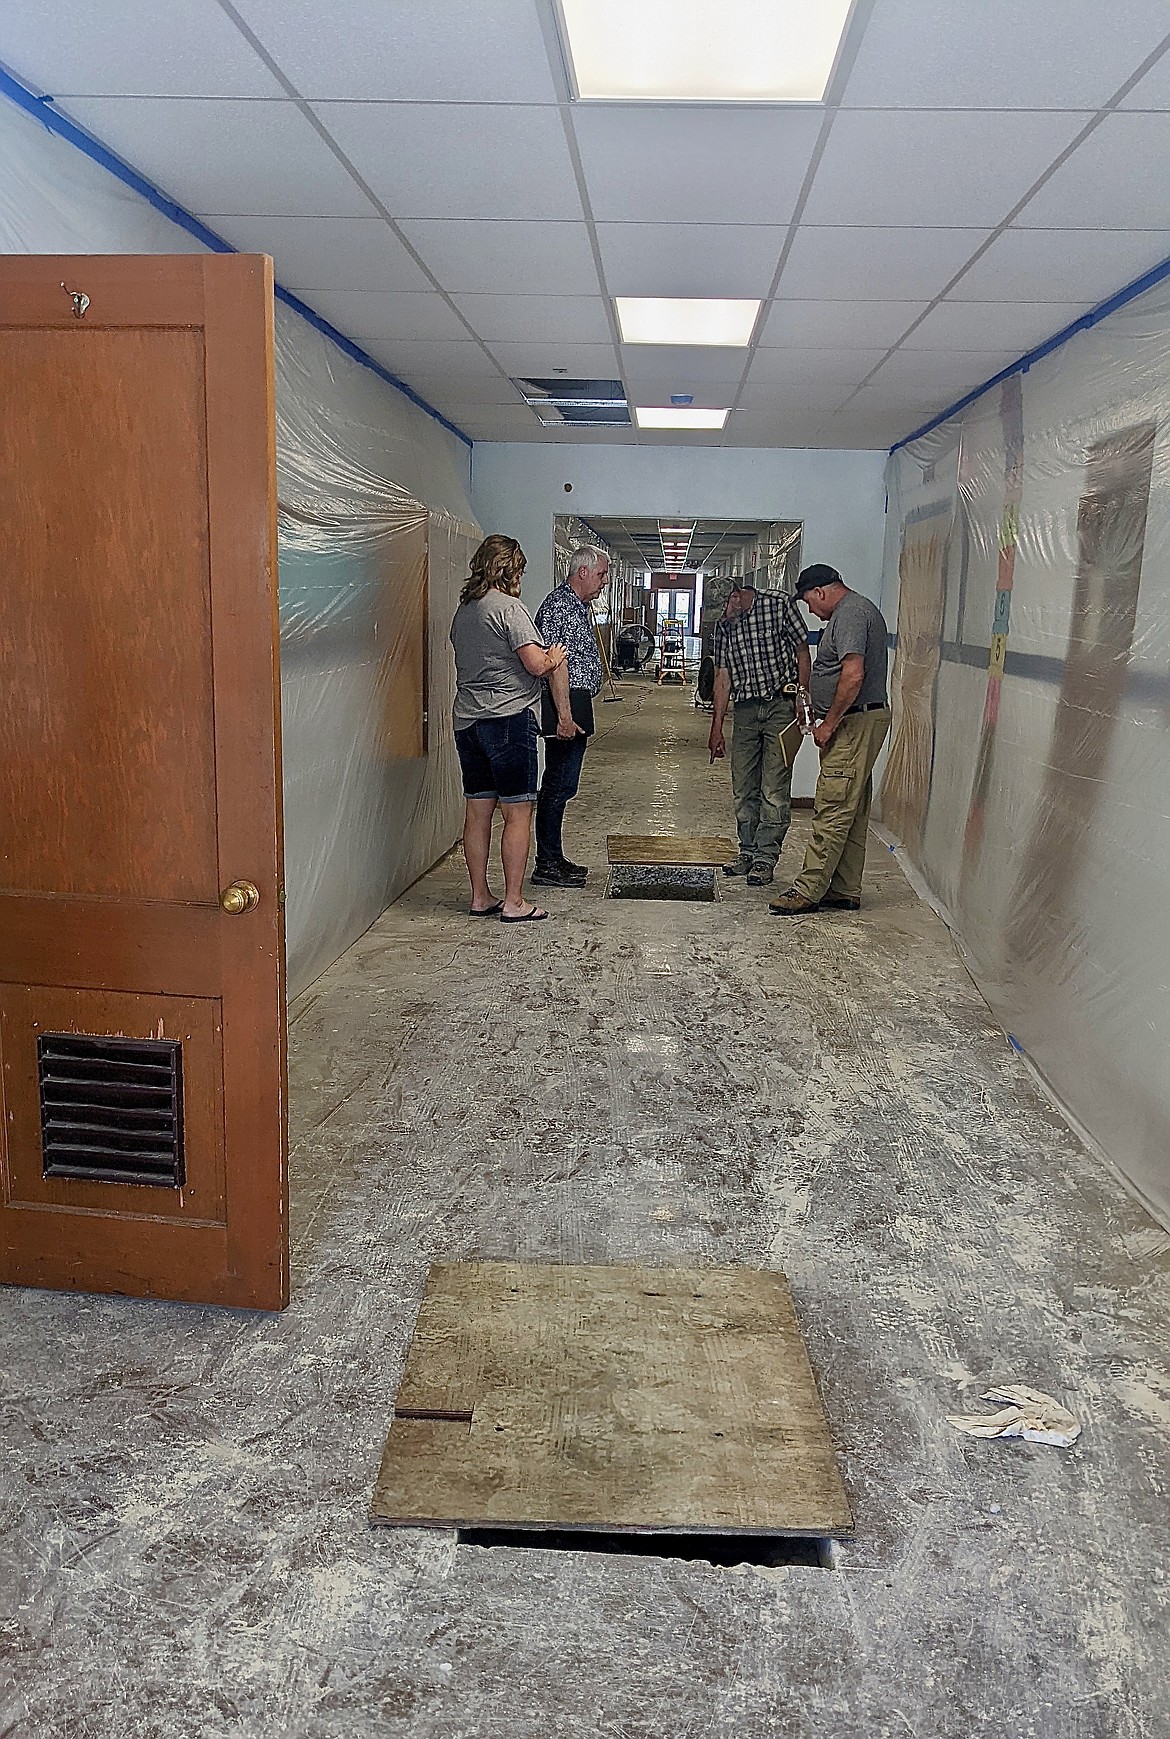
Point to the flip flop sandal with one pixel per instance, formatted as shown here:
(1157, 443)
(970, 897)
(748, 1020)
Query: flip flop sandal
(535, 916)
(488, 911)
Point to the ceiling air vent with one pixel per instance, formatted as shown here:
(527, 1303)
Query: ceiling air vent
(580, 404)
(111, 1109)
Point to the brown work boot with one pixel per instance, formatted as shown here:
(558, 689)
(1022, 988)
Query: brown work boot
(791, 903)
(841, 902)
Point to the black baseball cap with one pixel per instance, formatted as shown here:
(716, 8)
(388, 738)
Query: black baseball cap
(820, 574)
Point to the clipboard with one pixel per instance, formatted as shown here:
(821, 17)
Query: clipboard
(790, 740)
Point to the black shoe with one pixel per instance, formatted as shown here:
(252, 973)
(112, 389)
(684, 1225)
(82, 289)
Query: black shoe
(553, 876)
(578, 871)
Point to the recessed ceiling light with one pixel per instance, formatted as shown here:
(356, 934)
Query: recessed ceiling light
(685, 320)
(707, 51)
(674, 417)
(686, 530)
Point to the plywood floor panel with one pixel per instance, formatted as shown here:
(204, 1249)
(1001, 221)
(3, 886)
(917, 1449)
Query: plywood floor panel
(610, 1398)
(666, 848)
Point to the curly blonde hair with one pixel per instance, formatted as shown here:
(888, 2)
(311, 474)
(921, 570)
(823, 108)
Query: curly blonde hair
(499, 561)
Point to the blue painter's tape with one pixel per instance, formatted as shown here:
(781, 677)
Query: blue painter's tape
(1014, 1042)
(359, 355)
(1155, 275)
(45, 111)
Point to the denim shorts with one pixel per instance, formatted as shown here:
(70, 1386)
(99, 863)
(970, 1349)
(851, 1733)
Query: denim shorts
(498, 758)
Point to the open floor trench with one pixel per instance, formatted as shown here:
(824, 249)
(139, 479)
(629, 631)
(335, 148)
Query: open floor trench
(186, 1546)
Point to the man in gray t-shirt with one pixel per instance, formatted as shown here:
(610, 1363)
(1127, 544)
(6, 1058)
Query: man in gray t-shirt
(852, 713)
(855, 628)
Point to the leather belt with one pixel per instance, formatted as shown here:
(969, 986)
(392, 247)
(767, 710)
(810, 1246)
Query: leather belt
(872, 706)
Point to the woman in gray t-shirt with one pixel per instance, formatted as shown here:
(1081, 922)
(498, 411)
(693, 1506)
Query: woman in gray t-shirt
(500, 660)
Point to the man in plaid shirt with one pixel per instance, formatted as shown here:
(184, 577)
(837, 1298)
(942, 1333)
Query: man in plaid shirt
(761, 654)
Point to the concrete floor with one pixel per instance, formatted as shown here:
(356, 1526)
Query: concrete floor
(186, 1551)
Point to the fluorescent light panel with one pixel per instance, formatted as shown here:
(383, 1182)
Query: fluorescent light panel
(678, 417)
(685, 320)
(704, 51)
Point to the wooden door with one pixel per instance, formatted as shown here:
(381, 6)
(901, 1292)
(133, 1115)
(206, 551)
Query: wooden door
(142, 1026)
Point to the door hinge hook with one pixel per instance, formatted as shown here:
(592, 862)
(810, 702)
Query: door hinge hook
(80, 299)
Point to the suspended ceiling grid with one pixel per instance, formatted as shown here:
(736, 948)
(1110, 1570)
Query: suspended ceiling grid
(979, 177)
(647, 543)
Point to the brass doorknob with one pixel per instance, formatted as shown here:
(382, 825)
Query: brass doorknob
(240, 897)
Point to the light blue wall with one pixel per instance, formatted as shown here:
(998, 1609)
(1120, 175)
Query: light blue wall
(518, 488)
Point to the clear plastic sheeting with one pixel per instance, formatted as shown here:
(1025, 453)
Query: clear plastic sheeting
(773, 559)
(369, 582)
(376, 530)
(1028, 776)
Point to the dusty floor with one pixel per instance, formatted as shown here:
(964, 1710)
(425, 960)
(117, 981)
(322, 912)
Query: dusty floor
(186, 1550)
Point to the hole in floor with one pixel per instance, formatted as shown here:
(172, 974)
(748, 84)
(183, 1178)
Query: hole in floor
(656, 881)
(724, 1550)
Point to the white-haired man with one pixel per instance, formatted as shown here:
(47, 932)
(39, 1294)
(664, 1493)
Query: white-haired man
(566, 619)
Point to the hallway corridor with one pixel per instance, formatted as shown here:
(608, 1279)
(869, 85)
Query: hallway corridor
(667, 1083)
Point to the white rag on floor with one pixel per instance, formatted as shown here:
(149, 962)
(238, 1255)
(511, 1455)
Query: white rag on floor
(1025, 1413)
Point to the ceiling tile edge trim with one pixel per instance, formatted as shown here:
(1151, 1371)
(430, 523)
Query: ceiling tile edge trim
(43, 109)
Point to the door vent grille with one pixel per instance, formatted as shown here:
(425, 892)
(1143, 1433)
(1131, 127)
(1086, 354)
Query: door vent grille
(111, 1109)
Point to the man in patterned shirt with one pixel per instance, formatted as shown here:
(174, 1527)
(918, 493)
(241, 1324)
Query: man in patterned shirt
(566, 618)
(761, 653)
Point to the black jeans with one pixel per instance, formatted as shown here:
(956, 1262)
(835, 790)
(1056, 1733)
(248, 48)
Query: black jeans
(562, 775)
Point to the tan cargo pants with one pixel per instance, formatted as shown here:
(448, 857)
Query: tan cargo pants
(835, 855)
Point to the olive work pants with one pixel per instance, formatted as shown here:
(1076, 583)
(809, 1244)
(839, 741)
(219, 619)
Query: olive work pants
(761, 784)
(835, 855)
